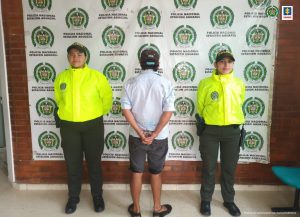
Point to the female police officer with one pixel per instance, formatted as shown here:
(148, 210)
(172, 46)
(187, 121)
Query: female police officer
(83, 95)
(219, 102)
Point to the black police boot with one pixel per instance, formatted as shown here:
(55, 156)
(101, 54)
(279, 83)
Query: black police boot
(99, 205)
(71, 204)
(232, 208)
(205, 208)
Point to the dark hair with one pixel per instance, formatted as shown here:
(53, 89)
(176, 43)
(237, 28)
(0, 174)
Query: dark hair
(145, 66)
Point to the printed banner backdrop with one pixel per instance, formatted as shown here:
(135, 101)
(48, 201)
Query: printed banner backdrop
(186, 33)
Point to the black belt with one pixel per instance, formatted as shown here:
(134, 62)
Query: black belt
(230, 125)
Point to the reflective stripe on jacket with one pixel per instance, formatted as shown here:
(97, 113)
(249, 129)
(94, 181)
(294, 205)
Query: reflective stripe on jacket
(220, 99)
(82, 94)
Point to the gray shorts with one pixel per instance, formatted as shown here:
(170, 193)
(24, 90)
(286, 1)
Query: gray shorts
(156, 155)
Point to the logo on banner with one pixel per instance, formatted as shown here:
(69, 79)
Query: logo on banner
(77, 19)
(287, 12)
(184, 72)
(221, 17)
(254, 107)
(259, 4)
(48, 141)
(149, 46)
(184, 107)
(149, 17)
(215, 49)
(113, 37)
(115, 72)
(257, 36)
(255, 72)
(253, 142)
(182, 140)
(185, 4)
(272, 11)
(116, 109)
(115, 141)
(40, 5)
(184, 36)
(44, 73)
(112, 4)
(45, 107)
(42, 37)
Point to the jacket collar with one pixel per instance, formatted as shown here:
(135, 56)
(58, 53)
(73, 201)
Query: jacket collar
(218, 77)
(78, 69)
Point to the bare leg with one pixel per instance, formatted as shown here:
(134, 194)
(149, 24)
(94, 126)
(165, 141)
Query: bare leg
(136, 187)
(156, 191)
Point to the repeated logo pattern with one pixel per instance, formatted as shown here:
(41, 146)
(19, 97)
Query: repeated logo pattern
(186, 33)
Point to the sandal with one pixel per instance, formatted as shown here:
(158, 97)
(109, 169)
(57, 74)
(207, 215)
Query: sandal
(132, 213)
(163, 213)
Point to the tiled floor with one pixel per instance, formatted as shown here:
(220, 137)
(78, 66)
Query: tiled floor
(50, 203)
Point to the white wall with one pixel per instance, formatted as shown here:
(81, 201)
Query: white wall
(5, 103)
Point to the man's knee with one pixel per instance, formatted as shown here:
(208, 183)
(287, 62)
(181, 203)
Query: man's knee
(155, 171)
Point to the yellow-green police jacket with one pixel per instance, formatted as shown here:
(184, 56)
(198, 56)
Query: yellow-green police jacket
(82, 94)
(220, 99)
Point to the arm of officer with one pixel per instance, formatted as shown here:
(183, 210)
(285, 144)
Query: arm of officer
(200, 99)
(107, 95)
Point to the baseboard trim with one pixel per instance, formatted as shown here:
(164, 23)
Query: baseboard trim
(166, 187)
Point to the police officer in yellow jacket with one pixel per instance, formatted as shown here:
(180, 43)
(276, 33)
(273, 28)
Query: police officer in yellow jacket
(83, 95)
(219, 102)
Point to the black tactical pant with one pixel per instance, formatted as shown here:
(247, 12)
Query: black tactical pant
(83, 139)
(227, 139)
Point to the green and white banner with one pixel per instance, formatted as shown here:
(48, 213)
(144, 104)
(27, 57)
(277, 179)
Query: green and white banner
(186, 33)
